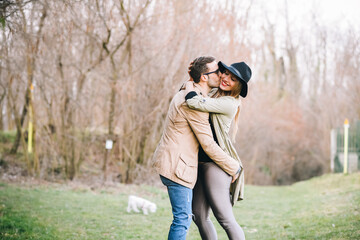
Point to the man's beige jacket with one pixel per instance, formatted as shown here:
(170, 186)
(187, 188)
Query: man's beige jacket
(176, 156)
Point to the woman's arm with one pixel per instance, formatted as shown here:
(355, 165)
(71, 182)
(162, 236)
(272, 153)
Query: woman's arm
(223, 105)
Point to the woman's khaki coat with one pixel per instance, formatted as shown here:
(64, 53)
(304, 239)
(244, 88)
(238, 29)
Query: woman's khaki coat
(222, 111)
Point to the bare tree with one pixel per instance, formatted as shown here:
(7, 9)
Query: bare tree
(108, 69)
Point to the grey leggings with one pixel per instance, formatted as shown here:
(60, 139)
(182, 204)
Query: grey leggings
(212, 191)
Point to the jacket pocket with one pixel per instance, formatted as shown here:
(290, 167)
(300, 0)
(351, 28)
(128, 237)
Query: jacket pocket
(186, 171)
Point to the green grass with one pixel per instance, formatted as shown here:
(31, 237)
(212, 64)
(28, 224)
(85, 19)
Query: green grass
(7, 136)
(326, 207)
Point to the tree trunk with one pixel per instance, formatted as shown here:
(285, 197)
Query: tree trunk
(18, 126)
(19, 123)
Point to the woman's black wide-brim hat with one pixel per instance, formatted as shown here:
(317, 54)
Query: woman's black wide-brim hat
(242, 71)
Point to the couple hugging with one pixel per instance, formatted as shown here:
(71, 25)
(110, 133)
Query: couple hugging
(195, 157)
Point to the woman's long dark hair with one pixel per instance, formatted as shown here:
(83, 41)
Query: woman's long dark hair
(236, 94)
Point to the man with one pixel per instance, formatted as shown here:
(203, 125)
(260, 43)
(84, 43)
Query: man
(176, 157)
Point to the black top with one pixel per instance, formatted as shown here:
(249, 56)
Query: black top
(202, 156)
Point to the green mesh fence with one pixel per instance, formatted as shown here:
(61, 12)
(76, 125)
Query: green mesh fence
(353, 144)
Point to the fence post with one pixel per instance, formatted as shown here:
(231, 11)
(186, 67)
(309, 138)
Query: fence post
(333, 148)
(346, 137)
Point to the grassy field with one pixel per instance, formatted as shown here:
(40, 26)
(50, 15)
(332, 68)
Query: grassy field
(326, 207)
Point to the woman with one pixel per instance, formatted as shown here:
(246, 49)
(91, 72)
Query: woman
(214, 185)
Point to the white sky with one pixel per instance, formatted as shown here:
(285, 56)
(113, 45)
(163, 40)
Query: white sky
(329, 12)
(333, 11)
(333, 16)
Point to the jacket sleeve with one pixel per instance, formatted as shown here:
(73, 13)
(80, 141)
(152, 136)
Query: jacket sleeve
(222, 105)
(199, 123)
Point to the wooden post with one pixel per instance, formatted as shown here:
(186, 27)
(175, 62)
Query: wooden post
(333, 148)
(108, 147)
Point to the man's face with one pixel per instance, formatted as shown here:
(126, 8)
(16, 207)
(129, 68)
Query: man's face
(213, 78)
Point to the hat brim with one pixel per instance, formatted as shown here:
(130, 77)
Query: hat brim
(244, 87)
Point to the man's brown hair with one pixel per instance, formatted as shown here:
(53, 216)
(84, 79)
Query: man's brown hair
(199, 67)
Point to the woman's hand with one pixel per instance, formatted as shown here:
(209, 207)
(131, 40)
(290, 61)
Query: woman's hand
(189, 68)
(235, 177)
(186, 85)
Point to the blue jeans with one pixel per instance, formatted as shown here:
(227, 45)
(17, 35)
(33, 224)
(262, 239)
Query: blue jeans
(181, 200)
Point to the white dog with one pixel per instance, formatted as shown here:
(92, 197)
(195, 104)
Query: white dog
(137, 202)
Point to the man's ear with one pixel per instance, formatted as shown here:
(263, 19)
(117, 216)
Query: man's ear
(203, 78)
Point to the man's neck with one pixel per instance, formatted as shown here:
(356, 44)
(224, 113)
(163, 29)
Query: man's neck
(203, 87)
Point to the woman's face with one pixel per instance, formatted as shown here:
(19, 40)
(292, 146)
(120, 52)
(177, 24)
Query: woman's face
(228, 81)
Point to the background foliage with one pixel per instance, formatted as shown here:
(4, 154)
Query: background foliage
(86, 71)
